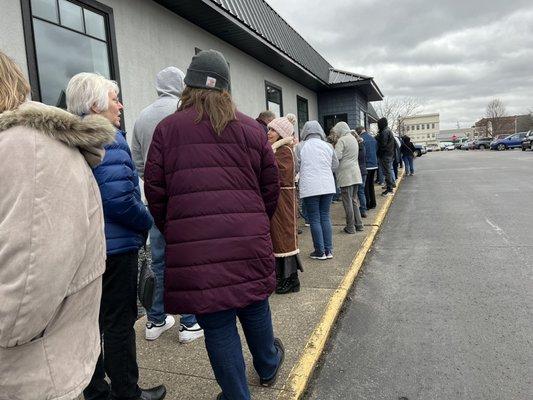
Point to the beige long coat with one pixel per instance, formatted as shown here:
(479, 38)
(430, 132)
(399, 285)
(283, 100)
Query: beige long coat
(52, 251)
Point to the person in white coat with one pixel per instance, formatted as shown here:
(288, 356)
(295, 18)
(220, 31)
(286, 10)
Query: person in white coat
(316, 161)
(348, 175)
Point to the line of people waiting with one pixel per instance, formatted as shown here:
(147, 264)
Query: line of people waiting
(221, 217)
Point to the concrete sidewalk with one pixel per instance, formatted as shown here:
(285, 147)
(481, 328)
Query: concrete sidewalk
(185, 368)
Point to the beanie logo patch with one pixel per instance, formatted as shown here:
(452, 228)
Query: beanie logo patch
(210, 82)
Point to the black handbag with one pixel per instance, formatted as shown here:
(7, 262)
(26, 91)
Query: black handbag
(146, 287)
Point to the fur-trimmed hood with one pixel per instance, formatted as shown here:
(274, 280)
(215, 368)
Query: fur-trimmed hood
(285, 141)
(89, 134)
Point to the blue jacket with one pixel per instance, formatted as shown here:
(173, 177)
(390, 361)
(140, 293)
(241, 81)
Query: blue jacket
(371, 148)
(127, 219)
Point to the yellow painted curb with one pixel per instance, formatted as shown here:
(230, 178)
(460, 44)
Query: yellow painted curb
(300, 374)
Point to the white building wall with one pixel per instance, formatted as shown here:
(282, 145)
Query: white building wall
(149, 37)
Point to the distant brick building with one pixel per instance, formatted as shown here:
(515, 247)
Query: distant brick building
(503, 125)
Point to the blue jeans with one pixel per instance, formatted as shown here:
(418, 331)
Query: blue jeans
(318, 213)
(361, 195)
(157, 313)
(408, 161)
(224, 347)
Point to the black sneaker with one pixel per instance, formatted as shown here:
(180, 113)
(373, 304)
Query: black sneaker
(363, 214)
(387, 192)
(315, 255)
(270, 382)
(329, 254)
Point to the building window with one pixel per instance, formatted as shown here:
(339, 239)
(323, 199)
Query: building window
(362, 118)
(302, 107)
(417, 127)
(331, 120)
(64, 38)
(274, 100)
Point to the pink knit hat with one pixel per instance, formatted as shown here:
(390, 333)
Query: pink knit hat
(284, 126)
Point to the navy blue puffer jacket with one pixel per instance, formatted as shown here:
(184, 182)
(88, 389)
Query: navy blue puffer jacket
(126, 218)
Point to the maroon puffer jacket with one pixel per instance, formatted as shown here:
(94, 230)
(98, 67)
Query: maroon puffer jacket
(212, 196)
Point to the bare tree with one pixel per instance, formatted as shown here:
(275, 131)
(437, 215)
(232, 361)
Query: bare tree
(397, 109)
(495, 114)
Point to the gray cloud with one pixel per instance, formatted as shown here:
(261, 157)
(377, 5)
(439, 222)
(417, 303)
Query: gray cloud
(454, 55)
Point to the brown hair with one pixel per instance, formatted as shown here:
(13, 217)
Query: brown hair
(218, 105)
(14, 88)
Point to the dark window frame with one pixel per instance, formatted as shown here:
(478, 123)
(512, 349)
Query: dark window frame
(267, 83)
(301, 99)
(336, 119)
(29, 35)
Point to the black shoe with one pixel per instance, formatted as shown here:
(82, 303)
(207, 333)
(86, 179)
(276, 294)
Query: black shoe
(289, 285)
(345, 230)
(155, 393)
(359, 229)
(363, 214)
(387, 192)
(271, 381)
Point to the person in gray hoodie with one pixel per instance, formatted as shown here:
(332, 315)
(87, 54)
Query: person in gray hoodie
(348, 175)
(169, 85)
(316, 161)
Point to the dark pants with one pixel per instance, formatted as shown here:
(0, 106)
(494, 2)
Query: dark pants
(224, 347)
(370, 194)
(118, 312)
(386, 166)
(361, 194)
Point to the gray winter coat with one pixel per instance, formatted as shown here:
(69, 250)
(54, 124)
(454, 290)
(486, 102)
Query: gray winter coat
(347, 150)
(169, 85)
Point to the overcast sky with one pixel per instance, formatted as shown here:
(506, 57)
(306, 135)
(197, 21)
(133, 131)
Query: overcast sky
(453, 55)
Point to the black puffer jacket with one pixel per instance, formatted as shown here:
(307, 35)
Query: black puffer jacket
(386, 143)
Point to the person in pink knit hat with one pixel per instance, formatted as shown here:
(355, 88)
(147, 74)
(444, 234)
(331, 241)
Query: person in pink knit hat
(283, 225)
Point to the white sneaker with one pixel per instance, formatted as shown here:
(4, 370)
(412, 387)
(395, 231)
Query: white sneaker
(153, 331)
(188, 334)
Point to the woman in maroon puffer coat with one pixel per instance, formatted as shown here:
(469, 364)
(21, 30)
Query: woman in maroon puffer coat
(212, 186)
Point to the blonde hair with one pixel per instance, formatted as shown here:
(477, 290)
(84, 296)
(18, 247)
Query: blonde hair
(86, 90)
(218, 105)
(14, 88)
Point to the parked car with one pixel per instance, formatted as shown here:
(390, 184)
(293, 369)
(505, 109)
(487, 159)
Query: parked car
(510, 142)
(527, 142)
(433, 147)
(469, 145)
(446, 146)
(459, 143)
(482, 143)
(420, 149)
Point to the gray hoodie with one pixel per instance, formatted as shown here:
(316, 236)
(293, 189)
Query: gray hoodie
(169, 84)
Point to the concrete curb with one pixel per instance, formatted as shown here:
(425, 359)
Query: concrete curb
(301, 373)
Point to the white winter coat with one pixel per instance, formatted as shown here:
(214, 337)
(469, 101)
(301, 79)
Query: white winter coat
(316, 161)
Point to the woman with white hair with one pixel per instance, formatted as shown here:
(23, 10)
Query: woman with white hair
(126, 226)
(52, 246)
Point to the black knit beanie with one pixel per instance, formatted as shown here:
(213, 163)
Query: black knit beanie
(382, 122)
(208, 70)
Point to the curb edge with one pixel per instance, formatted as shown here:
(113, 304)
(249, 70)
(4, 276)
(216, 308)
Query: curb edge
(300, 375)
